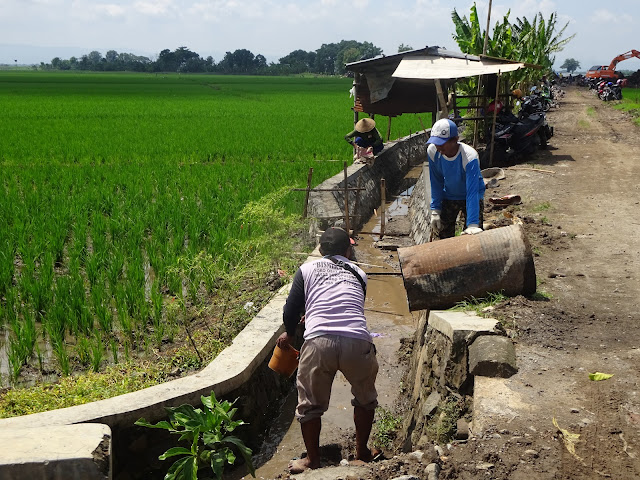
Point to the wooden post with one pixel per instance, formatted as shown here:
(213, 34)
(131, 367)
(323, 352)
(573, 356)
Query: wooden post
(442, 99)
(493, 126)
(383, 201)
(477, 111)
(389, 129)
(355, 101)
(346, 200)
(455, 105)
(306, 196)
(356, 206)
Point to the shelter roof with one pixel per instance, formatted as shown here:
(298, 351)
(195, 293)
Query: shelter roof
(406, 82)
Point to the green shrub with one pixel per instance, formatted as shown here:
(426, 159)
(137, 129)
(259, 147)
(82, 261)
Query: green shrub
(207, 431)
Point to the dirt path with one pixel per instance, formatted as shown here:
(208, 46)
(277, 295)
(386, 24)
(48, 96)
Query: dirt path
(583, 224)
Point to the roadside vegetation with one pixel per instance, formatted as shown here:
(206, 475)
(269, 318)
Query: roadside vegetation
(630, 103)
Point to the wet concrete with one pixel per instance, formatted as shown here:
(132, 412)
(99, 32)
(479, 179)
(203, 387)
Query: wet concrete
(388, 319)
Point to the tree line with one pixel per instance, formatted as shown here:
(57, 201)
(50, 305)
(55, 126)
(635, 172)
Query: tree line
(329, 59)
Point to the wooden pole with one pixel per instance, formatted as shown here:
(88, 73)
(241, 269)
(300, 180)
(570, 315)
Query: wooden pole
(442, 99)
(356, 78)
(493, 126)
(356, 206)
(455, 104)
(389, 129)
(383, 201)
(306, 197)
(346, 200)
(484, 52)
(486, 33)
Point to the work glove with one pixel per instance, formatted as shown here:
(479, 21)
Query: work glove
(435, 223)
(472, 230)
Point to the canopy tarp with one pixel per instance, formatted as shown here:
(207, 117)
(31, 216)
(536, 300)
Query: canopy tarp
(431, 67)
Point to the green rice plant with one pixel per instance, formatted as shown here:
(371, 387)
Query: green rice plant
(156, 314)
(123, 207)
(83, 350)
(15, 359)
(22, 342)
(113, 344)
(97, 353)
(62, 356)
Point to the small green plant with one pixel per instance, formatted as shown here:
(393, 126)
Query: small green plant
(541, 296)
(444, 426)
(542, 207)
(207, 430)
(386, 428)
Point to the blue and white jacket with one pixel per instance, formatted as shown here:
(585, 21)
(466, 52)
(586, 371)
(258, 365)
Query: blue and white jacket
(456, 178)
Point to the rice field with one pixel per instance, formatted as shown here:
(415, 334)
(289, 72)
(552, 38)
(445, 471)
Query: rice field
(124, 195)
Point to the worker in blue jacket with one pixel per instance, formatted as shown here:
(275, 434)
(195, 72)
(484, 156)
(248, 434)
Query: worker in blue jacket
(456, 182)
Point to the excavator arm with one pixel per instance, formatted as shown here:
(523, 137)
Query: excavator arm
(623, 56)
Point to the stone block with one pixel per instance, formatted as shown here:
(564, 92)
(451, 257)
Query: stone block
(69, 452)
(492, 356)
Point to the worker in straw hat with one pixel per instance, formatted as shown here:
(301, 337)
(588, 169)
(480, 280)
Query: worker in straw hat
(366, 139)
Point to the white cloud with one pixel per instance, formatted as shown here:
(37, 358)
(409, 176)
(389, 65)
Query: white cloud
(158, 7)
(109, 9)
(606, 16)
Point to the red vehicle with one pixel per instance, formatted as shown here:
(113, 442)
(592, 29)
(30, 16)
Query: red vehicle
(609, 72)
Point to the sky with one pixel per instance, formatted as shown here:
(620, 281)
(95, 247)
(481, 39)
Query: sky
(34, 31)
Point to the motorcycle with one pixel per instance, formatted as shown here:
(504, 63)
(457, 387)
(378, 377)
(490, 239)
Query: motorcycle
(520, 135)
(610, 91)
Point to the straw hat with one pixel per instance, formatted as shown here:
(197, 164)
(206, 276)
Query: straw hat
(365, 125)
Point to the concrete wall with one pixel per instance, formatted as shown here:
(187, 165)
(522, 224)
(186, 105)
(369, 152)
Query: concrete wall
(392, 164)
(240, 371)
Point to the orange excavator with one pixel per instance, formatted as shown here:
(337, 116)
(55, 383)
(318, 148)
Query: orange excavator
(609, 72)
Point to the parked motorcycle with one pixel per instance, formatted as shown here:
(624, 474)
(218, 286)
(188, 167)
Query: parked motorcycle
(610, 91)
(518, 136)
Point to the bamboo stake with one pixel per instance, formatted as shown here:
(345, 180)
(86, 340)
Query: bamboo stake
(356, 206)
(306, 197)
(495, 114)
(346, 200)
(351, 189)
(383, 200)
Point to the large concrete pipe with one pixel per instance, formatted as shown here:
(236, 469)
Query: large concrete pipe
(439, 274)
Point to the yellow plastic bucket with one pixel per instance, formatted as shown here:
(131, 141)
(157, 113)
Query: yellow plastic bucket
(284, 360)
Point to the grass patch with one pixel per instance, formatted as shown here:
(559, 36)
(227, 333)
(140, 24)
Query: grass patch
(479, 304)
(591, 111)
(541, 207)
(541, 296)
(630, 103)
(386, 428)
(443, 426)
(583, 124)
